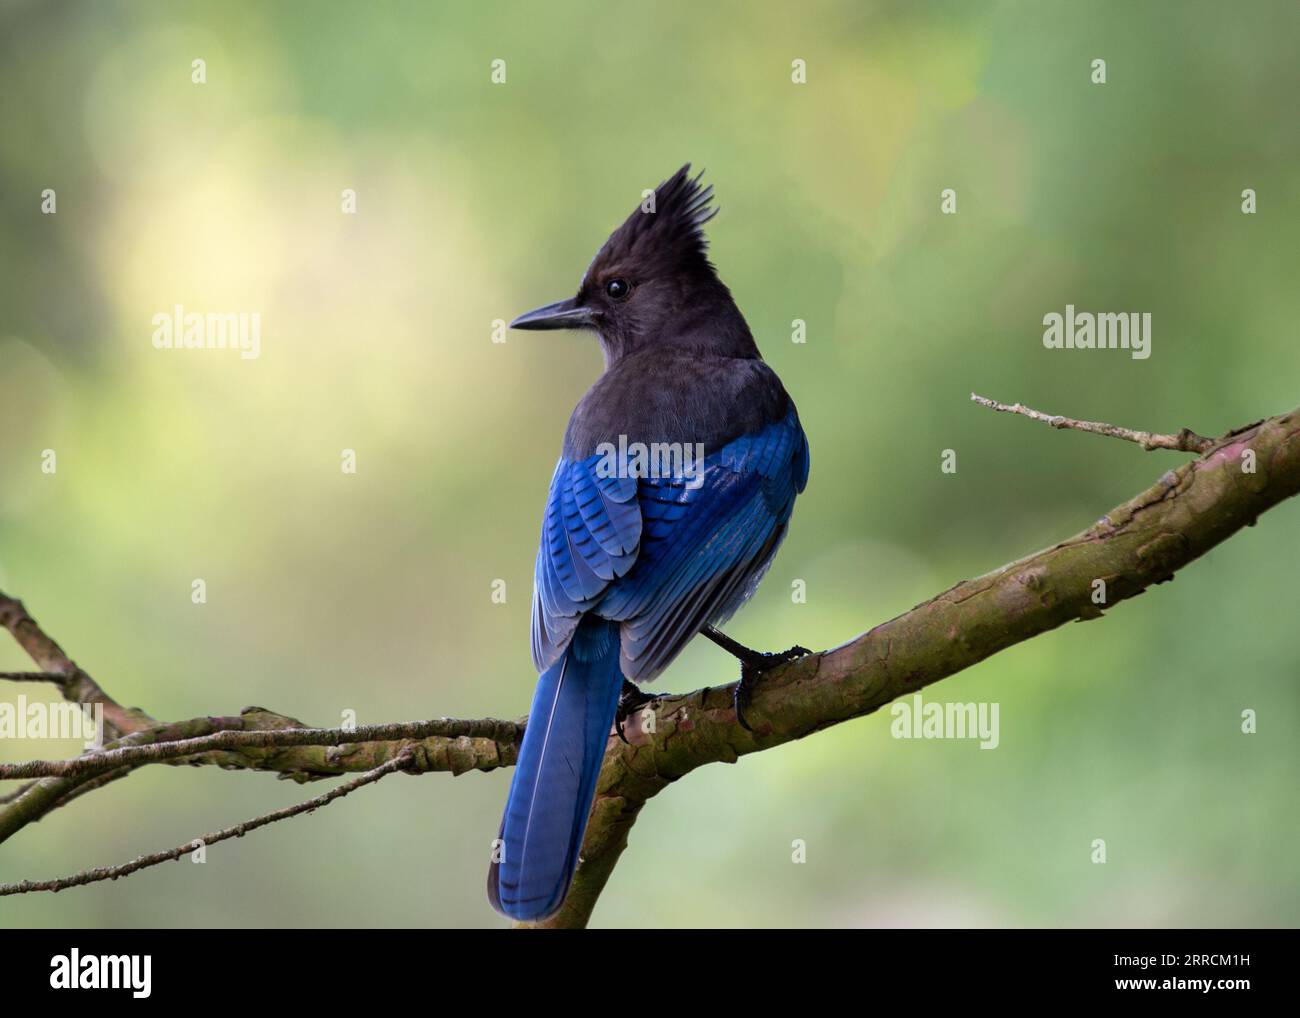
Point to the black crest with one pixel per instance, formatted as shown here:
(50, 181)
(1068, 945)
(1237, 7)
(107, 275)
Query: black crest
(671, 237)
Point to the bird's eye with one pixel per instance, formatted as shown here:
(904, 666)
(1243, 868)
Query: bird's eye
(618, 289)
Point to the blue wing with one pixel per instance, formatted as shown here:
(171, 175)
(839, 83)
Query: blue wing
(659, 555)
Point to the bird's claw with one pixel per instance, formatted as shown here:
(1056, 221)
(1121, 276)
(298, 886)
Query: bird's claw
(751, 668)
(630, 700)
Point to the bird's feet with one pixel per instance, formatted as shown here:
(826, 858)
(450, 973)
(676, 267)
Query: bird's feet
(752, 665)
(631, 700)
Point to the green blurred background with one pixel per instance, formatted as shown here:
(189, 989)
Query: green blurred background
(477, 201)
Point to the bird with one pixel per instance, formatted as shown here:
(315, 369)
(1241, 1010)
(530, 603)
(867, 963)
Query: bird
(634, 561)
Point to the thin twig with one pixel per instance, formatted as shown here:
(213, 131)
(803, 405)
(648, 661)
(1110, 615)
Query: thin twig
(1185, 441)
(106, 760)
(55, 677)
(76, 685)
(238, 831)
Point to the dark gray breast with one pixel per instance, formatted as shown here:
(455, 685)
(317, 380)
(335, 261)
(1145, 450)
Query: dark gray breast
(658, 395)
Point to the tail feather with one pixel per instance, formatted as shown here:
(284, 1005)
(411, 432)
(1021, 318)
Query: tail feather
(555, 776)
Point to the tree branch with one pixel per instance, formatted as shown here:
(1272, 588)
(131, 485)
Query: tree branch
(238, 831)
(1185, 441)
(1139, 543)
(270, 742)
(75, 684)
(172, 749)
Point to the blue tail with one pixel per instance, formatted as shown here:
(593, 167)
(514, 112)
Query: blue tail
(555, 776)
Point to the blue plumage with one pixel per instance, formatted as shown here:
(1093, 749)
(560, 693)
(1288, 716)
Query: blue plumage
(555, 779)
(631, 567)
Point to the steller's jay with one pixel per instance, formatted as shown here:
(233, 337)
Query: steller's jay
(635, 561)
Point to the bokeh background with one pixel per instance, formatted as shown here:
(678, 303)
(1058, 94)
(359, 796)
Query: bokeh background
(476, 201)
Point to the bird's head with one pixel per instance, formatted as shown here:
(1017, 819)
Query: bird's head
(652, 282)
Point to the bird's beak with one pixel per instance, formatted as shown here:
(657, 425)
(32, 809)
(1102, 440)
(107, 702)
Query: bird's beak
(563, 314)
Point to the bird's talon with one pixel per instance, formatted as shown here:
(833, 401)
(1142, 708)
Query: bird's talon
(740, 700)
(751, 668)
(630, 700)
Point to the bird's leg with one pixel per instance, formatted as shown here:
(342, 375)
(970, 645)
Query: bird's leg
(631, 700)
(753, 663)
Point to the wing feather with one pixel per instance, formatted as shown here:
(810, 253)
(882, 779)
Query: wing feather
(658, 555)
